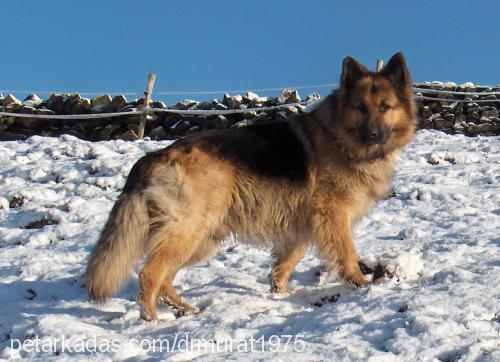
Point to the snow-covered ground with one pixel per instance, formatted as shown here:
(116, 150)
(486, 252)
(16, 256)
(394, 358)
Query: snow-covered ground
(439, 234)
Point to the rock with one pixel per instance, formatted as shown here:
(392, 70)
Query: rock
(301, 108)
(134, 126)
(182, 125)
(288, 96)
(481, 128)
(10, 99)
(490, 113)
(232, 102)
(204, 106)
(10, 136)
(103, 99)
(220, 122)
(169, 121)
(13, 107)
(106, 132)
(459, 110)
(202, 121)
(259, 101)
(140, 103)
(56, 103)
(437, 120)
(32, 101)
(245, 122)
(130, 107)
(158, 133)
(489, 97)
(292, 95)
(101, 103)
(426, 112)
(473, 115)
(459, 128)
(45, 111)
(436, 107)
(249, 96)
(185, 104)
(219, 106)
(118, 102)
(82, 106)
(291, 109)
(250, 114)
(449, 117)
(158, 104)
(262, 116)
(129, 135)
(6, 122)
(193, 129)
(426, 124)
(31, 123)
(313, 97)
(70, 103)
(27, 110)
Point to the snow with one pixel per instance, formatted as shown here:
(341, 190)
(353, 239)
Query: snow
(438, 235)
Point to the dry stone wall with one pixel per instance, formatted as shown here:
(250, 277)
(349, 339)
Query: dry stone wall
(469, 114)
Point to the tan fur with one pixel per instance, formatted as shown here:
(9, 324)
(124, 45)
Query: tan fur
(192, 198)
(120, 245)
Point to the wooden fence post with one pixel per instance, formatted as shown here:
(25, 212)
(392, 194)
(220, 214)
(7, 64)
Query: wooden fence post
(147, 101)
(380, 64)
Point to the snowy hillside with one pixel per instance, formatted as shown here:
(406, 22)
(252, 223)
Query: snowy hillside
(438, 233)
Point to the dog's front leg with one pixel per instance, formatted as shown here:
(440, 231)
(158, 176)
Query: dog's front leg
(332, 228)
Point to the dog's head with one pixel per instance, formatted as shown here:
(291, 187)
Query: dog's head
(375, 114)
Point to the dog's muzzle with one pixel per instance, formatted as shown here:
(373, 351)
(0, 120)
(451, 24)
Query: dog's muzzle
(374, 134)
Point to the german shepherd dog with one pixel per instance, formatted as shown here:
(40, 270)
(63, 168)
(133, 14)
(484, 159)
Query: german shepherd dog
(290, 184)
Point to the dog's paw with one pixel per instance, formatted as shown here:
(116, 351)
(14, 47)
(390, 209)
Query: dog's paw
(378, 273)
(144, 312)
(185, 311)
(279, 289)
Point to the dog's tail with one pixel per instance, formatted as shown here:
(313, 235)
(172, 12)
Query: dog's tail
(120, 245)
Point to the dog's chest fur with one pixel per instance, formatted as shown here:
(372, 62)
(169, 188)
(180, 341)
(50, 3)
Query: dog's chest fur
(357, 187)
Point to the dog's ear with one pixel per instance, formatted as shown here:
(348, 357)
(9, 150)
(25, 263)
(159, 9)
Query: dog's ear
(396, 71)
(352, 71)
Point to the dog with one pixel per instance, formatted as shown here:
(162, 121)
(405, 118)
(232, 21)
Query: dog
(290, 184)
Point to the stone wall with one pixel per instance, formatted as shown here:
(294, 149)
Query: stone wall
(472, 115)
(469, 114)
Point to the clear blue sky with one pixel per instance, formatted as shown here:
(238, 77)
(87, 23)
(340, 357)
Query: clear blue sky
(110, 46)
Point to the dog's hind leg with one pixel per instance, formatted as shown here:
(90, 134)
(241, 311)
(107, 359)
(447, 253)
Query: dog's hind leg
(167, 294)
(286, 259)
(162, 264)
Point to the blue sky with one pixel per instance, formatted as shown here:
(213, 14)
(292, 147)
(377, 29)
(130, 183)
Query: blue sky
(110, 46)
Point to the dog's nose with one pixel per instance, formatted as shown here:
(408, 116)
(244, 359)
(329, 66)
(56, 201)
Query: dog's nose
(373, 134)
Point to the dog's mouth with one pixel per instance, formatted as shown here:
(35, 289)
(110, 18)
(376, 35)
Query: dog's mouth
(366, 137)
(362, 148)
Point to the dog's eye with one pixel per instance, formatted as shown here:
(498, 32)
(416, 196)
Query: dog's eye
(384, 107)
(361, 108)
